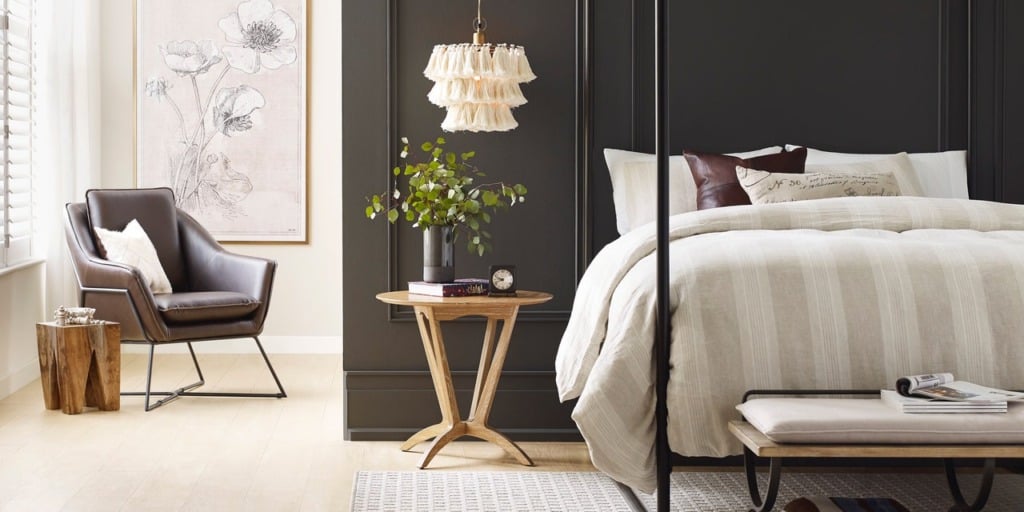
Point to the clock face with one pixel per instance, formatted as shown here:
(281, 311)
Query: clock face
(502, 279)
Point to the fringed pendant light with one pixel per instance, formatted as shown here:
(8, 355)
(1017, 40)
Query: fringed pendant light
(478, 83)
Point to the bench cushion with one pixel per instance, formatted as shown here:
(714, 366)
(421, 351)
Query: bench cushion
(857, 421)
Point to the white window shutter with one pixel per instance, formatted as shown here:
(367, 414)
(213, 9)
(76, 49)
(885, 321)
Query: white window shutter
(16, 189)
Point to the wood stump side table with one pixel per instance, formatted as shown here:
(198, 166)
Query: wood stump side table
(80, 365)
(430, 312)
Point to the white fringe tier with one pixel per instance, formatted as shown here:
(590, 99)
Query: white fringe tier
(465, 60)
(454, 91)
(483, 117)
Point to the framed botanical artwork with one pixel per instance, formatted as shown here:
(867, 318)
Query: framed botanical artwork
(220, 88)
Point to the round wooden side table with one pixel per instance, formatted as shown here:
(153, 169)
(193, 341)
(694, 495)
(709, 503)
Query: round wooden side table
(430, 312)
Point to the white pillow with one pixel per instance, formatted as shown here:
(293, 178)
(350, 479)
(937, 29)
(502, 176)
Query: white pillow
(940, 174)
(132, 247)
(778, 187)
(635, 185)
(898, 165)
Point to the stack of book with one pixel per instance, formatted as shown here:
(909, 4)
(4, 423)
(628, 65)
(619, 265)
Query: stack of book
(941, 393)
(915, 405)
(458, 288)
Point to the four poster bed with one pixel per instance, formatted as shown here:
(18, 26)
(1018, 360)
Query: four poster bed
(683, 313)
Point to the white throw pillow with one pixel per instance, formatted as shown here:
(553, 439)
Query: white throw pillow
(940, 174)
(132, 247)
(770, 187)
(635, 185)
(899, 165)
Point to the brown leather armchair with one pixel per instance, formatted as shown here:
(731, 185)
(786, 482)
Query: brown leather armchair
(216, 295)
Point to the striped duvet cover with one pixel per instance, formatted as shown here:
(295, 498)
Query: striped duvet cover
(832, 293)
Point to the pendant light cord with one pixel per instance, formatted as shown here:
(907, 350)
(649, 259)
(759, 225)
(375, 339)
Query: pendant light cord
(479, 25)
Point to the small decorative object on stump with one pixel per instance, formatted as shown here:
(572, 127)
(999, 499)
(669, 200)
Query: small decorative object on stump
(79, 364)
(444, 201)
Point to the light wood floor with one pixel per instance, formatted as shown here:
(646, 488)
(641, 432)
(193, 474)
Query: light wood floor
(217, 454)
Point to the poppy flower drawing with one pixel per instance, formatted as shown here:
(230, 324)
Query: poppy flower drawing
(235, 106)
(190, 58)
(259, 36)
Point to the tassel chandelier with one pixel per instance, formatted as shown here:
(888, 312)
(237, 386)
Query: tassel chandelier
(478, 83)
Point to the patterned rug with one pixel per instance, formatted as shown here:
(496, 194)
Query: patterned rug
(436, 491)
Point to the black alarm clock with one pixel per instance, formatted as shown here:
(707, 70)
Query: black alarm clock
(502, 282)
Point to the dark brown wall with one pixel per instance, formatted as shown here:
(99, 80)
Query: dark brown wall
(858, 75)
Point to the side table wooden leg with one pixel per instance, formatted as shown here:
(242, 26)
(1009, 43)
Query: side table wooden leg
(46, 339)
(451, 426)
(441, 441)
(425, 435)
(486, 354)
(490, 373)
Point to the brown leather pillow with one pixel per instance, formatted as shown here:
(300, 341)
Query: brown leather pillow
(715, 175)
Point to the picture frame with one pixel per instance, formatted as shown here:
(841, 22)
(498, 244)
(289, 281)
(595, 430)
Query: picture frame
(221, 113)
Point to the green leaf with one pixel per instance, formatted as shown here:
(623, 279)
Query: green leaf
(480, 250)
(474, 224)
(427, 146)
(521, 190)
(490, 198)
(369, 211)
(450, 158)
(468, 155)
(441, 141)
(486, 216)
(375, 200)
(410, 216)
(398, 171)
(392, 216)
(437, 152)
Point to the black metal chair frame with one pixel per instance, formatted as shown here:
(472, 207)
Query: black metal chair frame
(184, 390)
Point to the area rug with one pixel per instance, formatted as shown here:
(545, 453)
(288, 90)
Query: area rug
(536, 491)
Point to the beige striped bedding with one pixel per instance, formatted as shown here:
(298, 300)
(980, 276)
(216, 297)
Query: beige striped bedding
(832, 293)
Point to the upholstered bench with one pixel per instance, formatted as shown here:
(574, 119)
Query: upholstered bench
(780, 428)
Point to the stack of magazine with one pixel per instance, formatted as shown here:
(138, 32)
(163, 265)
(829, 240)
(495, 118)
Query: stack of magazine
(941, 393)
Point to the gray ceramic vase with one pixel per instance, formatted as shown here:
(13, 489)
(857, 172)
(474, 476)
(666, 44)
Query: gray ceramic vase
(439, 254)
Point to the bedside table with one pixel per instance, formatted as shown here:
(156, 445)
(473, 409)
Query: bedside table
(430, 312)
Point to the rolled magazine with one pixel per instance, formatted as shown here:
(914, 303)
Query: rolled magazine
(942, 386)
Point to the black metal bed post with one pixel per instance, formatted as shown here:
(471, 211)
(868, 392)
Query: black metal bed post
(663, 454)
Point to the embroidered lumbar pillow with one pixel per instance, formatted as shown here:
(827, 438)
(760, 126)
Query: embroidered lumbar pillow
(767, 187)
(132, 247)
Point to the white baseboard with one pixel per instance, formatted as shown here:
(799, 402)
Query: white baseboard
(17, 380)
(272, 344)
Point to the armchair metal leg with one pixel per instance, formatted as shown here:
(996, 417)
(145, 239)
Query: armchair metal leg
(187, 390)
(270, 367)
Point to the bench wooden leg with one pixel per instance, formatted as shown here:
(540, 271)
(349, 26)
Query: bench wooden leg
(774, 475)
(960, 504)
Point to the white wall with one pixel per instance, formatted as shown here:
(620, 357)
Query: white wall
(21, 306)
(305, 313)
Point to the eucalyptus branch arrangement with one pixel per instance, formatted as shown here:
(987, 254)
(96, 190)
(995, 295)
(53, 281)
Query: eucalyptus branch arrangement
(443, 191)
